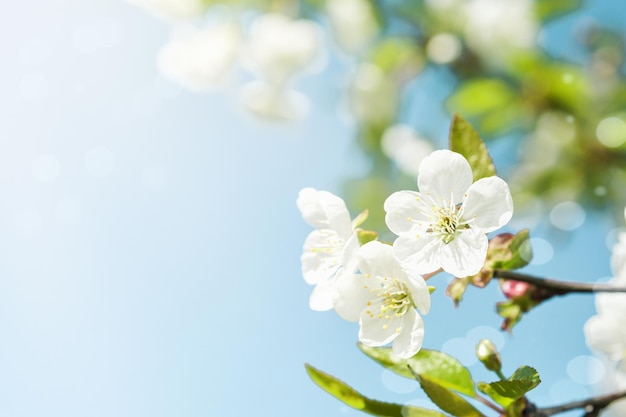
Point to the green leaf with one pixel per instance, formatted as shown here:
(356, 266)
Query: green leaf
(349, 396)
(506, 392)
(509, 252)
(366, 236)
(447, 400)
(549, 9)
(437, 366)
(466, 141)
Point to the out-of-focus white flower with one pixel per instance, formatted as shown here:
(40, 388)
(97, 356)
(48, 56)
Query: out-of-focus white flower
(329, 252)
(279, 47)
(201, 59)
(444, 225)
(173, 9)
(402, 145)
(272, 102)
(496, 28)
(606, 331)
(383, 298)
(372, 95)
(353, 22)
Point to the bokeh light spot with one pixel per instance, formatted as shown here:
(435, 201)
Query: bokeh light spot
(567, 215)
(586, 370)
(611, 132)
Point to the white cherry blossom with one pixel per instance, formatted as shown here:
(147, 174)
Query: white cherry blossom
(405, 147)
(444, 225)
(383, 298)
(329, 252)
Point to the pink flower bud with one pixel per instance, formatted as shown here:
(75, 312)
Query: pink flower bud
(512, 288)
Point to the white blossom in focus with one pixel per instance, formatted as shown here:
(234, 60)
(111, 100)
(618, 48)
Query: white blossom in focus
(383, 298)
(330, 251)
(444, 225)
(201, 59)
(403, 146)
(173, 9)
(279, 47)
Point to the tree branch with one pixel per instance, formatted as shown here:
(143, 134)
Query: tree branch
(592, 406)
(558, 287)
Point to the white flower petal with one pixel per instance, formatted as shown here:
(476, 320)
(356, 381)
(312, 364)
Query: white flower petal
(322, 297)
(321, 255)
(377, 259)
(466, 254)
(489, 202)
(409, 341)
(444, 174)
(405, 209)
(418, 254)
(419, 292)
(618, 257)
(376, 331)
(605, 335)
(322, 209)
(352, 296)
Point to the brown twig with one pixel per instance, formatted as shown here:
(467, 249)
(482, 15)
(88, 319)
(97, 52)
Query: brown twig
(558, 287)
(592, 406)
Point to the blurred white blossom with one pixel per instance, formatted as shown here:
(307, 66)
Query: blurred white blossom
(402, 145)
(353, 22)
(173, 9)
(274, 102)
(372, 96)
(444, 225)
(201, 59)
(383, 298)
(496, 28)
(329, 252)
(278, 47)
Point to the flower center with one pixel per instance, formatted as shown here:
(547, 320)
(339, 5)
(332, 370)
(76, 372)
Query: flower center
(447, 222)
(395, 298)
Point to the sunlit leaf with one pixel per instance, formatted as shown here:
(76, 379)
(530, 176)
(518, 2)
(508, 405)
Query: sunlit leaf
(437, 366)
(466, 141)
(354, 399)
(549, 9)
(447, 400)
(505, 392)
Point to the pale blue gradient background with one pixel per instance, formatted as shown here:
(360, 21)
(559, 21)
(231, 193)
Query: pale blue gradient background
(170, 284)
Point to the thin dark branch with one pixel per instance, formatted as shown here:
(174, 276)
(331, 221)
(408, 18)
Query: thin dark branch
(558, 287)
(592, 406)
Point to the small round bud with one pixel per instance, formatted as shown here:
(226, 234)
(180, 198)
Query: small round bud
(488, 354)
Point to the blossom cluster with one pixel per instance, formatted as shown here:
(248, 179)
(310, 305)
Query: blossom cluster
(443, 226)
(273, 47)
(606, 331)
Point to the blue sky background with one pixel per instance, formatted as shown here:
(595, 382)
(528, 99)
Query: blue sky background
(150, 242)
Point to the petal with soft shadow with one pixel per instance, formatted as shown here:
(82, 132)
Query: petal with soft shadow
(418, 254)
(489, 204)
(377, 331)
(410, 339)
(322, 209)
(419, 292)
(353, 296)
(321, 298)
(465, 255)
(443, 174)
(321, 255)
(376, 259)
(406, 212)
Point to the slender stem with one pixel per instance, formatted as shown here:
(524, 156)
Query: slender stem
(500, 374)
(558, 287)
(489, 404)
(592, 406)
